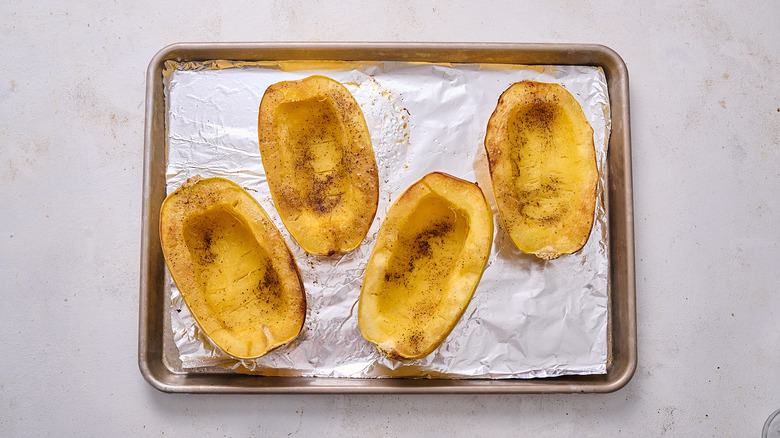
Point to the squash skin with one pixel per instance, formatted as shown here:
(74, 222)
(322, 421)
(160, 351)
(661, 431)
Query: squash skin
(319, 161)
(232, 266)
(543, 168)
(428, 259)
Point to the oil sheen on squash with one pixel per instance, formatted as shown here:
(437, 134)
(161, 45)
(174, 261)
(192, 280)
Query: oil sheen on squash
(319, 161)
(543, 168)
(427, 261)
(232, 267)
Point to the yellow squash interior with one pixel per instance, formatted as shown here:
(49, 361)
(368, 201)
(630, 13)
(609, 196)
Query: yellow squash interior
(427, 261)
(543, 168)
(239, 284)
(421, 266)
(312, 143)
(232, 267)
(318, 158)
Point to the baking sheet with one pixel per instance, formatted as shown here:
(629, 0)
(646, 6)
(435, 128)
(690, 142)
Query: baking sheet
(528, 318)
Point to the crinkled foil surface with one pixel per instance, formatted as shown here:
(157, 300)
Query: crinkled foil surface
(528, 317)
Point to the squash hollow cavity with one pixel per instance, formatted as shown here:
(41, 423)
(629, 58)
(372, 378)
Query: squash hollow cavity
(425, 266)
(543, 168)
(232, 267)
(424, 261)
(237, 275)
(319, 162)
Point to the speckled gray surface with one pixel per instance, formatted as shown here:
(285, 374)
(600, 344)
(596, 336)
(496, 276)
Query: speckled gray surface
(705, 107)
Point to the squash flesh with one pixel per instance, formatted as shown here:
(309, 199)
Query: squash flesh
(232, 267)
(543, 168)
(434, 237)
(239, 282)
(320, 164)
(425, 266)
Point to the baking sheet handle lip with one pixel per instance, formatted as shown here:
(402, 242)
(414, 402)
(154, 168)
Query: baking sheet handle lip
(150, 362)
(203, 383)
(171, 51)
(616, 68)
(195, 384)
(144, 363)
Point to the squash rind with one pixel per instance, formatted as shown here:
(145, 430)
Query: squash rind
(429, 256)
(318, 158)
(543, 168)
(233, 268)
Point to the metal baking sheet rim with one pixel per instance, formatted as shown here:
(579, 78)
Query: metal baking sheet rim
(622, 312)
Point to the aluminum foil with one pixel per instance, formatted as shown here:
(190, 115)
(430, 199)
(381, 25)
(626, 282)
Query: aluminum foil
(528, 317)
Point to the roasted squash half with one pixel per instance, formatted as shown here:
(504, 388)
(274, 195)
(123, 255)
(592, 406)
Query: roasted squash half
(232, 267)
(427, 261)
(543, 168)
(317, 154)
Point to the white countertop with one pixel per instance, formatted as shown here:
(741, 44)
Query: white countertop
(705, 118)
